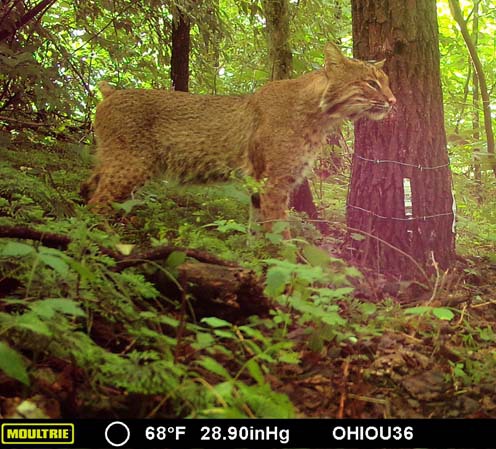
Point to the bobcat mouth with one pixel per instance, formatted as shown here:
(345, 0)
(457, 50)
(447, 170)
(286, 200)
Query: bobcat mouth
(378, 111)
(380, 108)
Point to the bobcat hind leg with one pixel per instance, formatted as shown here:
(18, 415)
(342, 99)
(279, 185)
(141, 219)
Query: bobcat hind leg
(116, 180)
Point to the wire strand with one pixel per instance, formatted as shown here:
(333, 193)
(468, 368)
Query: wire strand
(425, 217)
(406, 164)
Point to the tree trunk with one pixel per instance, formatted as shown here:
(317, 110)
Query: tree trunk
(277, 26)
(280, 61)
(476, 106)
(400, 195)
(180, 50)
(481, 77)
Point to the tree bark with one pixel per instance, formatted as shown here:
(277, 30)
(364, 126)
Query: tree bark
(401, 182)
(277, 25)
(180, 50)
(475, 108)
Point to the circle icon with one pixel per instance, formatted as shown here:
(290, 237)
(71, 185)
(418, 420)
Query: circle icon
(122, 427)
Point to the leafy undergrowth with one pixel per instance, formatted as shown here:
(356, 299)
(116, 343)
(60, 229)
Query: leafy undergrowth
(83, 339)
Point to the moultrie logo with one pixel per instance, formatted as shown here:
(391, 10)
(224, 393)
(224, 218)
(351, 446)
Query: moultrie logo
(37, 433)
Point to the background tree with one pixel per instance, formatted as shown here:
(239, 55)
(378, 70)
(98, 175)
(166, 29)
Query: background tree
(277, 17)
(400, 194)
(481, 77)
(180, 49)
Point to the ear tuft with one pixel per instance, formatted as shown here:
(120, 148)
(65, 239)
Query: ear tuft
(333, 56)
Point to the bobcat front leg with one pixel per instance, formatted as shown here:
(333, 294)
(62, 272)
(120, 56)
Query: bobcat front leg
(274, 203)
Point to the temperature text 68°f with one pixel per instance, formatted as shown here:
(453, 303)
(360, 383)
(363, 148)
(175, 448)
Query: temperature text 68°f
(245, 433)
(161, 433)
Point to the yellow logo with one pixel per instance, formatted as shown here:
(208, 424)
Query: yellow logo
(37, 433)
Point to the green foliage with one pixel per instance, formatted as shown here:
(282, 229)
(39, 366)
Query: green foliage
(12, 364)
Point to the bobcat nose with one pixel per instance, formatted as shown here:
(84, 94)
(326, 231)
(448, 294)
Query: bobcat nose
(392, 100)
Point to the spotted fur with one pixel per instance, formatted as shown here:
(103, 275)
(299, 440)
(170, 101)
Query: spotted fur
(272, 134)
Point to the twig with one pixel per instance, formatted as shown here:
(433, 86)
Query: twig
(342, 398)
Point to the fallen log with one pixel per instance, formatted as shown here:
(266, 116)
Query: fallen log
(214, 287)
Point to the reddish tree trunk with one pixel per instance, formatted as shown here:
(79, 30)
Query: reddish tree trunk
(180, 50)
(410, 144)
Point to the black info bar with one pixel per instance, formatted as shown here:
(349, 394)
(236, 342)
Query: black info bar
(253, 433)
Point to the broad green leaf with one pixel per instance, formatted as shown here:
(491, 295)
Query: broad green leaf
(443, 313)
(225, 334)
(16, 249)
(31, 322)
(334, 293)
(253, 333)
(215, 367)
(12, 364)
(55, 262)
(255, 371)
(368, 308)
(204, 340)
(316, 257)
(276, 282)
(168, 320)
(125, 248)
(292, 358)
(175, 259)
(333, 319)
(216, 322)
(420, 310)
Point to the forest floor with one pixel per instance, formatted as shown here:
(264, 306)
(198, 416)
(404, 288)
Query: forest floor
(382, 349)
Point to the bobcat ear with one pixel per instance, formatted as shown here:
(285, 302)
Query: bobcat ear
(379, 64)
(333, 56)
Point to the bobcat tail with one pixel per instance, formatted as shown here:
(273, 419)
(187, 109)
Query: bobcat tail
(105, 88)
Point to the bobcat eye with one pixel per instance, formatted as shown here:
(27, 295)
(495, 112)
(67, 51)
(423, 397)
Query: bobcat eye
(374, 84)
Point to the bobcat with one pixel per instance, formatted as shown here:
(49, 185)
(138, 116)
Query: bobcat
(273, 134)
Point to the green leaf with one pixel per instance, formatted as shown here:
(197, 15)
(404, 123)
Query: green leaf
(255, 371)
(225, 334)
(175, 259)
(125, 248)
(127, 206)
(215, 367)
(333, 319)
(276, 281)
(204, 340)
(12, 364)
(420, 310)
(253, 333)
(292, 358)
(316, 257)
(16, 249)
(216, 322)
(48, 307)
(443, 313)
(368, 308)
(55, 262)
(31, 322)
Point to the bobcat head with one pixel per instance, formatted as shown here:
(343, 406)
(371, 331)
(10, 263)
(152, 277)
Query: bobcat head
(355, 88)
